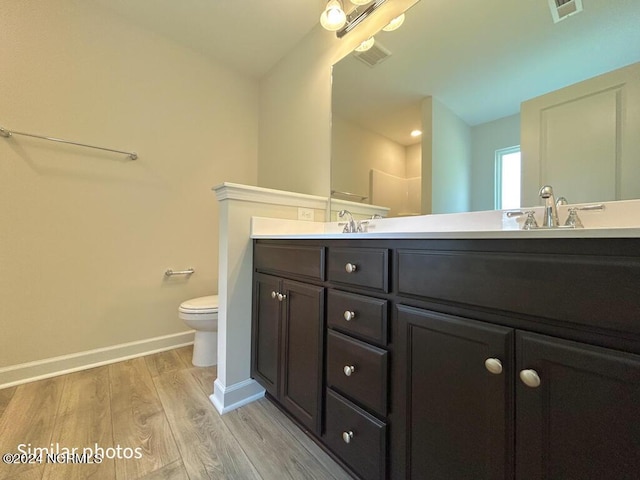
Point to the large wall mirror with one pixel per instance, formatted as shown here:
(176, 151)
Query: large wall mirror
(461, 72)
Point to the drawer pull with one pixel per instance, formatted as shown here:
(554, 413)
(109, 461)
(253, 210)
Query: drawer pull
(274, 294)
(349, 315)
(493, 365)
(530, 378)
(281, 297)
(347, 436)
(348, 370)
(350, 267)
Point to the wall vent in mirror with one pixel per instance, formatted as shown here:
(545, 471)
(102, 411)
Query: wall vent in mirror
(561, 9)
(374, 55)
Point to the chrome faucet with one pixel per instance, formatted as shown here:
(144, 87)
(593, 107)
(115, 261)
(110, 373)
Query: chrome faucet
(550, 218)
(350, 226)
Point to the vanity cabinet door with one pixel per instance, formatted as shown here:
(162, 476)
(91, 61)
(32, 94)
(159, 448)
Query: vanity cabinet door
(287, 352)
(455, 416)
(582, 420)
(302, 352)
(266, 332)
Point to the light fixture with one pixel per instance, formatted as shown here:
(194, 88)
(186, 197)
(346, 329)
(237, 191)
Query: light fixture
(366, 45)
(336, 20)
(394, 24)
(416, 133)
(333, 18)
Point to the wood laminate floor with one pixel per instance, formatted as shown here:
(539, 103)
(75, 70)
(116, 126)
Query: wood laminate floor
(158, 405)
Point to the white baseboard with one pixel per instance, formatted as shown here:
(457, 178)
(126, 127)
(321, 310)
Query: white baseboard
(51, 367)
(226, 399)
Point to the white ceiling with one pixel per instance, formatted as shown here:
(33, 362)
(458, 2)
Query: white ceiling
(249, 36)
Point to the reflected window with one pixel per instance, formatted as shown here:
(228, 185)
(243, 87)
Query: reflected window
(507, 194)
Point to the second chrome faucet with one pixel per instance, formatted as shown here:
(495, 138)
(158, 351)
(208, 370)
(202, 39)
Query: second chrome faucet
(550, 218)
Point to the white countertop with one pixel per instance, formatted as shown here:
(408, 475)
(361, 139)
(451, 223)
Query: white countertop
(617, 220)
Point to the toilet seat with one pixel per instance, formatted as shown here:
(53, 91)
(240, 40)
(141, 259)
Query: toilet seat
(200, 305)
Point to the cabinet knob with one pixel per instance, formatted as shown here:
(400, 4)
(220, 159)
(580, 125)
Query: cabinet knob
(350, 267)
(348, 370)
(347, 436)
(281, 296)
(274, 294)
(494, 365)
(530, 378)
(349, 315)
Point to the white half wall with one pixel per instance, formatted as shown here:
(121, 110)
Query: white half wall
(238, 203)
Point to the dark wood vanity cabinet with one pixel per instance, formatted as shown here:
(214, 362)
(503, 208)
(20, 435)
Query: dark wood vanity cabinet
(266, 332)
(484, 401)
(455, 417)
(357, 360)
(288, 338)
(478, 359)
(583, 420)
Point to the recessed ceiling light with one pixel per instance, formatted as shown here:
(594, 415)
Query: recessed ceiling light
(416, 133)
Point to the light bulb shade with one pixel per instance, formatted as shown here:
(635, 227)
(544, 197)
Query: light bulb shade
(394, 24)
(333, 18)
(360, 2)
(366, 45)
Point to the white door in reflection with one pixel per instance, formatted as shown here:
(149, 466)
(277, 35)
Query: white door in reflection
(508, 171)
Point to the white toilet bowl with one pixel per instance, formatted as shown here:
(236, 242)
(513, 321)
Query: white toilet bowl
(201, 314)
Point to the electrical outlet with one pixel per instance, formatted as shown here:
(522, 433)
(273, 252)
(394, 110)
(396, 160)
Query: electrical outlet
(305, 214)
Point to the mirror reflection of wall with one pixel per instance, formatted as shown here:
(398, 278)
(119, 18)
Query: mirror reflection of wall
(462, 158)
(460, 70)
(374, 169)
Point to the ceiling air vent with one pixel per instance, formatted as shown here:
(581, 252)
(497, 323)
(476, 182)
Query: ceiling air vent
(561, 9)
(375, 55)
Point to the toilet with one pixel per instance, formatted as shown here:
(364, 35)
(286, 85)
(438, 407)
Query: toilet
(201, 314)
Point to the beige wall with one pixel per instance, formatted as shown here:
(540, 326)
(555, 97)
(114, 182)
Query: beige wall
(295, 107)
(356, 151)
(426, 150)
(414, 160)
(450, 161)
(86, 236)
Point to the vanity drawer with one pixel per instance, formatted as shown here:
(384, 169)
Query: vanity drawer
(358, 315)
(358, 370)
(362, 267)
(356, 437)
(596, 291)
(295, 260)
